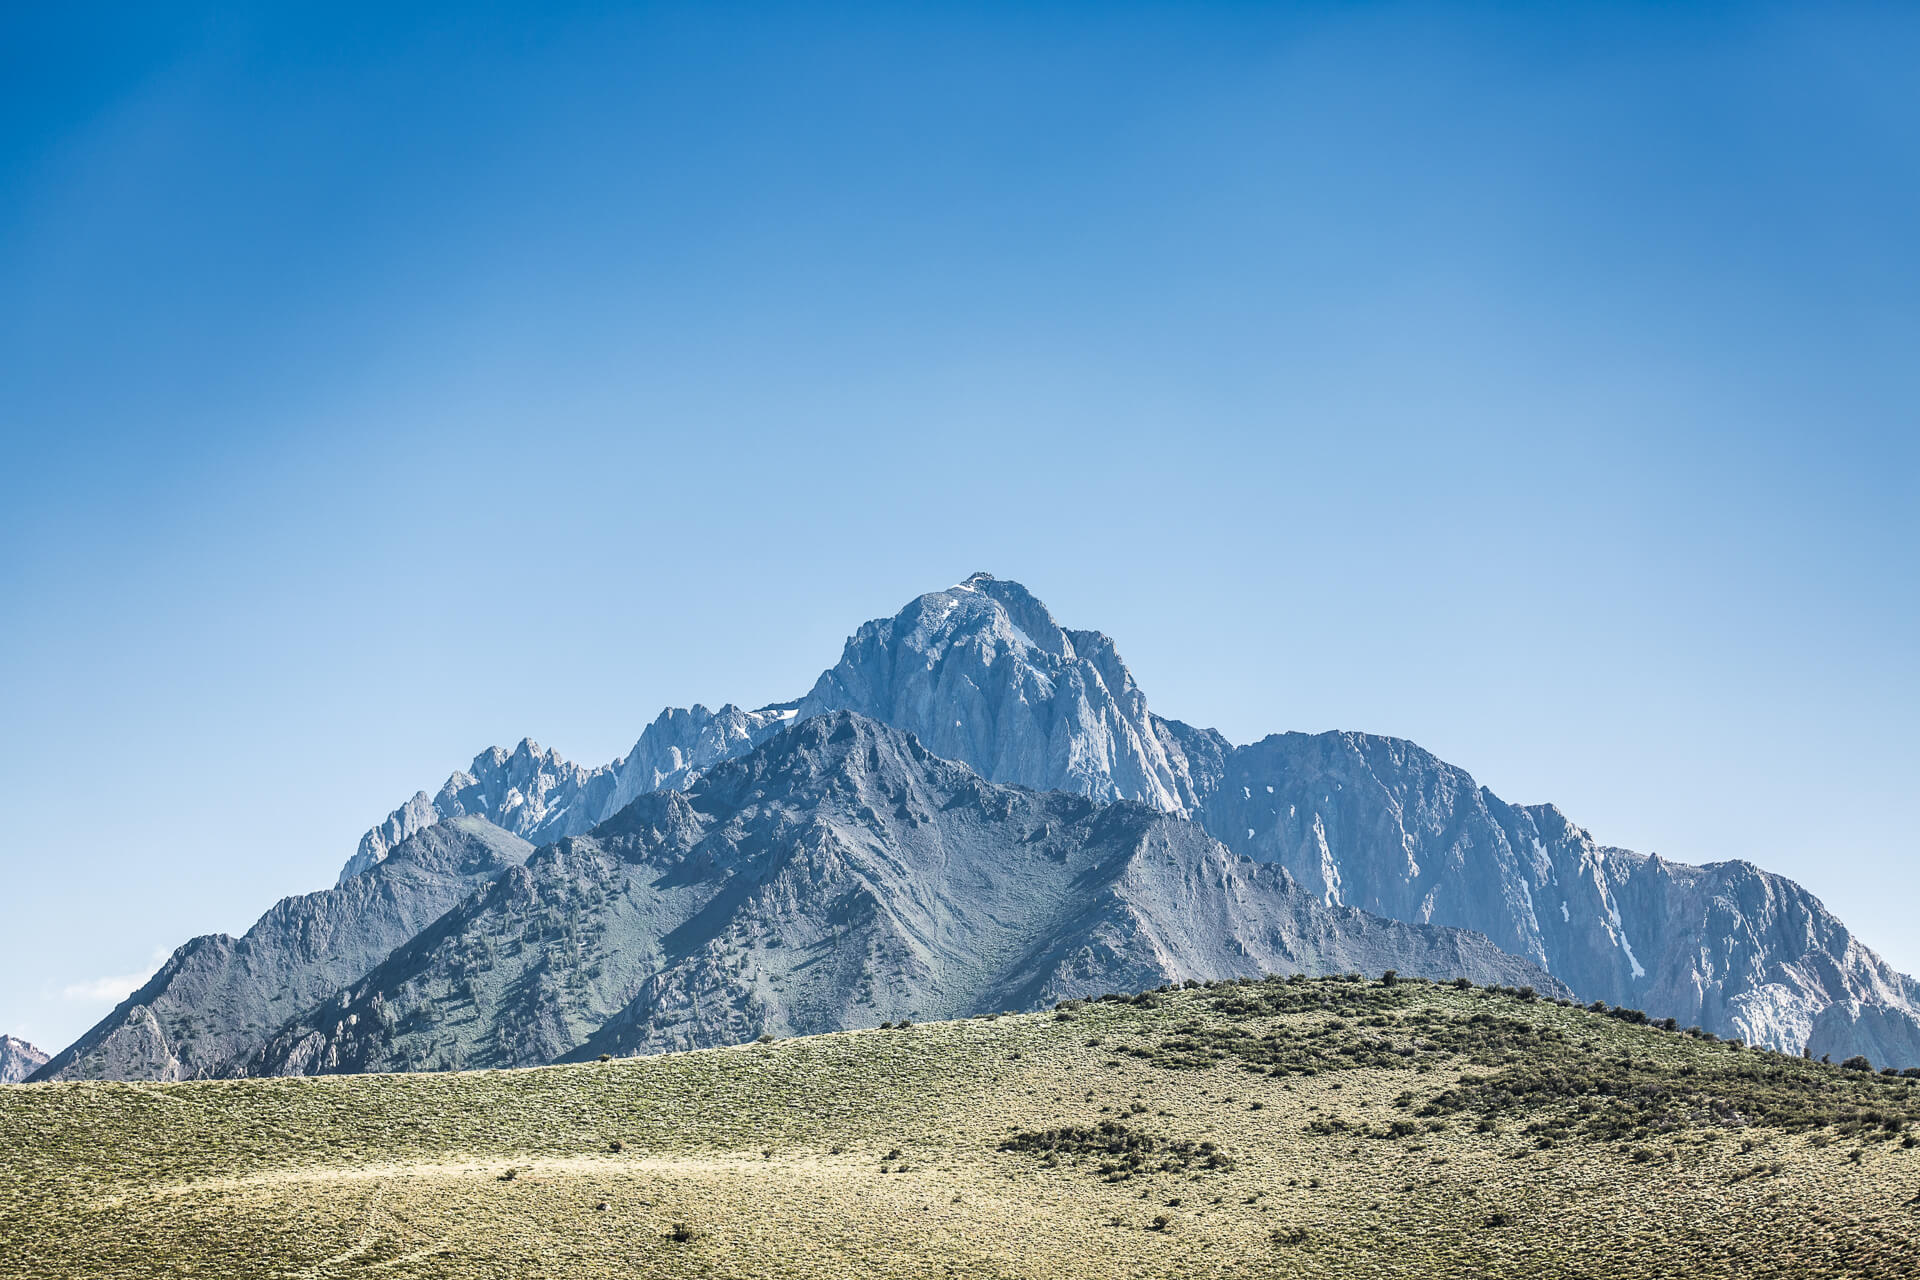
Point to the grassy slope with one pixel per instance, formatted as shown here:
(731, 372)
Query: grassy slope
(878, 1152)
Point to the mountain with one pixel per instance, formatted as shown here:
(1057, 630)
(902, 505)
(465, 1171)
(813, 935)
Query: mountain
(18, 1059)
(539, 796)
(982, 673)
(839, 875)
(218, 998)
(1383, 825)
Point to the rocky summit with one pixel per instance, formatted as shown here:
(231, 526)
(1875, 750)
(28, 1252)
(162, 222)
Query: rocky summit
(982, 673)
(841, 875)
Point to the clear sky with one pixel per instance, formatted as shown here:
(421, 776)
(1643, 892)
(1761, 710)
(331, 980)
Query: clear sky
(1538, 382)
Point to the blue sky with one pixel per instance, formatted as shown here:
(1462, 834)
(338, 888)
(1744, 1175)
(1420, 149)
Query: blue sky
(1536, 382)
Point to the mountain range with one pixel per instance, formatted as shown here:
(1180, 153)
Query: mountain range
(841, 875)
(974, 808)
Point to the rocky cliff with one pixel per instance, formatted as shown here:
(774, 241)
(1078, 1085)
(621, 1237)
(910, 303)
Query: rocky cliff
(1383, 825)
(982, 673)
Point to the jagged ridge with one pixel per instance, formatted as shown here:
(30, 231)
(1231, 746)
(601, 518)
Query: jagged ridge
(540, 796)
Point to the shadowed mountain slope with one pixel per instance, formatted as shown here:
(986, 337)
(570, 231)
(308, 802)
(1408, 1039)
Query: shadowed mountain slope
(839, 876)
(218, 998)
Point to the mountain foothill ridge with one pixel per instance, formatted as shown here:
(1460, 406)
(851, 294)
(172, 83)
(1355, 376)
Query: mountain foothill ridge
(1011, 825)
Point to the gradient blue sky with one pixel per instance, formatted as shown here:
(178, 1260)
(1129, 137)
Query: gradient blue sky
(1536, 382)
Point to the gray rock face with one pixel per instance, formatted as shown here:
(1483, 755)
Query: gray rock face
(1380, 824)
(18, 1060)
(838, 876)
(540, 796)
(218, 998)
(982, 673)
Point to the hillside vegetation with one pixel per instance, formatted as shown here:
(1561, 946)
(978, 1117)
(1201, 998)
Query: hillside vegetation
(1327, 1127)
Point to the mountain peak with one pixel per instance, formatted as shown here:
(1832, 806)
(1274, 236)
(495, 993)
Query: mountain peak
(982, 673)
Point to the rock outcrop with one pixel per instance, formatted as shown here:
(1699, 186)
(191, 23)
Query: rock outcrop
(18, 1060)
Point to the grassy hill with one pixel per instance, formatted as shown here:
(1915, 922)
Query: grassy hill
(1299, 1128)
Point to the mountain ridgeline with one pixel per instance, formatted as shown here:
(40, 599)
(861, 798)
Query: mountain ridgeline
(1000, 821)
(840, 875)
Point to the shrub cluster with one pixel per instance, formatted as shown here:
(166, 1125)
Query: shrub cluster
(1123, 1151)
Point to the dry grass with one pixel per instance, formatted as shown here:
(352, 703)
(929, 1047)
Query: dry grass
(1036, 1145)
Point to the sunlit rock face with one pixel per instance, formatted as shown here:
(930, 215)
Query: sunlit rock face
(1383, 825)
(982, 673)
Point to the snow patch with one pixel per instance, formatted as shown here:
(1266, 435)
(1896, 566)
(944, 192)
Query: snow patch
(1620, 936)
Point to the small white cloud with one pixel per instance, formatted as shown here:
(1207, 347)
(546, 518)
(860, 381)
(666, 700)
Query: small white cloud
(115, 989)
